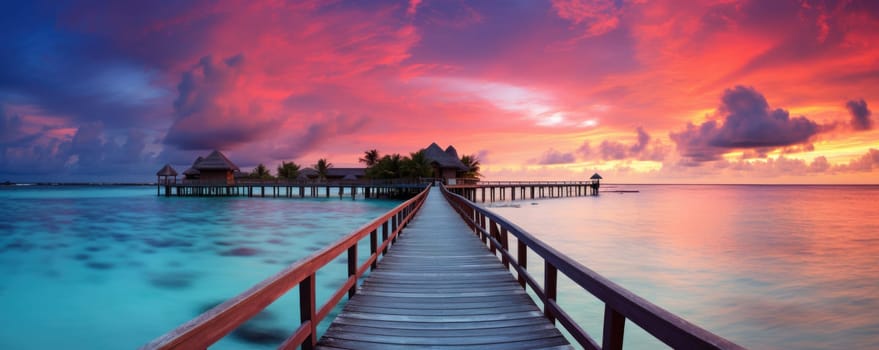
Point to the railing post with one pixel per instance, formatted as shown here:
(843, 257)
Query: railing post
(385, 237)
(307, 310)
(614, 326)
(505, 246)
(352, 268)
(482, 226)
(522, 260)
(394, 226)
(373, 247)
(492, 229)
(550, 287)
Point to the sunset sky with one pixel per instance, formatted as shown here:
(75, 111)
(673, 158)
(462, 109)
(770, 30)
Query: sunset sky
(639, 91)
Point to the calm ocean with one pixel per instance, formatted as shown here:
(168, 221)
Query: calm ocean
(769, 267)
(115, 267)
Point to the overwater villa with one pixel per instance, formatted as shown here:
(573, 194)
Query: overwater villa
(214, 168)
(446, 164)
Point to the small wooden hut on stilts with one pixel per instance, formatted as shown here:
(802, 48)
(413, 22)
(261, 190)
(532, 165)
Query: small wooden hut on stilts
(166, 176)
(595, 183)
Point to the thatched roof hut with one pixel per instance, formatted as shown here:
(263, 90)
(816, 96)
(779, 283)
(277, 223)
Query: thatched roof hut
(215, 168)
(596, 177)
(216, 161)
(166, 175)
(167, 170)
(445, 159)
(446, 164)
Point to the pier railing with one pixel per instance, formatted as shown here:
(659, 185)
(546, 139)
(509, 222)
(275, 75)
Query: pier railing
(213, 325)
(620, 304)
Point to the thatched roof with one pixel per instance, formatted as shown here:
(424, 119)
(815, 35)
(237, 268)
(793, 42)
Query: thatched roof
(445, 159)
(305, 173)
(191, 171)
(596, 177)
(167, 170)
(215, 161)
(452, 152)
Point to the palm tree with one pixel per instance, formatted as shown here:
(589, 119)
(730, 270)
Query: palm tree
(472, 164)
(388, 167)
(289, 170)
(261, 172)
(370, 158)
(322, 167)
(416, 165)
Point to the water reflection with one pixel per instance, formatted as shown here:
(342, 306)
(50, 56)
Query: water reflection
(772, 267)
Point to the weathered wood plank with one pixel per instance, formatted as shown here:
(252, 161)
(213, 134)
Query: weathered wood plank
(520, 324)
(530, 344)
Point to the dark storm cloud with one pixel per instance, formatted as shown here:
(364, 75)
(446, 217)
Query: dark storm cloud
(748, 123)
(74, 74)
(860, 114)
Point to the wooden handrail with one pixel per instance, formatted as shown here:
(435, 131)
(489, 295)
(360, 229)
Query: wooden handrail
(213, 325)
(620, 304)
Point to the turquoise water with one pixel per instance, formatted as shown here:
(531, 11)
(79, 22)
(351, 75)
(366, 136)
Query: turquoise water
(768, 267)
(115, 267)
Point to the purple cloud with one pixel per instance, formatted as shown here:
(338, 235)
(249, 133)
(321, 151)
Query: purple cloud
(645, 148)
(211, 110)
(860, 114)
(748, 123)
(552, 156)
(613, 150)
(317, 134)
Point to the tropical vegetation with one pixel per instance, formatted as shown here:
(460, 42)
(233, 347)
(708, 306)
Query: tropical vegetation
(261, 172)
(396, 166)
(370, 157)
(472, 164)
(289, 171)
(322, 167)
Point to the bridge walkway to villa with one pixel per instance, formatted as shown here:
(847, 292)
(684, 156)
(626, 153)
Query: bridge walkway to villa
(440, 287)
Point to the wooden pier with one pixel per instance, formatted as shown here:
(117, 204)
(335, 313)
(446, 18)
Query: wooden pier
(491, 191)
(439, 286)
(449, 282)
(292, 189)
(482, 191)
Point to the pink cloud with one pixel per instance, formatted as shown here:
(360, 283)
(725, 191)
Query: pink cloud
(598, 17)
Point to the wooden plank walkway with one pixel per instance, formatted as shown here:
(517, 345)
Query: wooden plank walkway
(440, 288)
